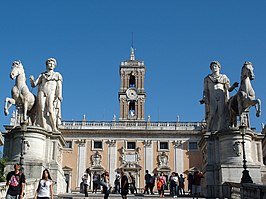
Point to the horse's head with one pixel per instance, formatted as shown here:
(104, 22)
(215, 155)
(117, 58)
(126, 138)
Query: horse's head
(17, 69)
(247, 71)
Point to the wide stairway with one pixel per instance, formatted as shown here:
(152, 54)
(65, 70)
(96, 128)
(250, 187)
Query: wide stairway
(116, 196)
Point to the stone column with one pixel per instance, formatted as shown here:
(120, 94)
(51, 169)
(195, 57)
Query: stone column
(81, 160)
(178, 156)
(112, 159)
(148, 156)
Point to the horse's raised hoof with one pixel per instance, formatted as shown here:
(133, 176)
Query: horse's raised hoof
(258, 114)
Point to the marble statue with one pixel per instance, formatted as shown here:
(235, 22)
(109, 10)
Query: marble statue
(96, 159)
(163, 159)
(21, 96)
(49, 97)
(240, 103)
(215, 96)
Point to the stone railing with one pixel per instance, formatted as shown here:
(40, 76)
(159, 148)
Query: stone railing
(132, 125)
(31, 186)
(237, 191)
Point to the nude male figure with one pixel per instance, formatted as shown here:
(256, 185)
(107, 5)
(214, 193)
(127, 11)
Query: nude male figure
(49, 96)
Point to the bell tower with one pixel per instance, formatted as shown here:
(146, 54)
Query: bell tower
(132, 95)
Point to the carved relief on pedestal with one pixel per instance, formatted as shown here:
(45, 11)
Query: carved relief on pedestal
(237, 148)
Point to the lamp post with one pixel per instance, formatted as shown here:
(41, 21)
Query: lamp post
(22, 151)
(245, 173)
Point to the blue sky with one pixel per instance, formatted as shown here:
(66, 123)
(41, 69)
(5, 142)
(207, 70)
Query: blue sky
(177, 40)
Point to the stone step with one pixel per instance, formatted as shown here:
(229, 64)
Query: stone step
(116, 196)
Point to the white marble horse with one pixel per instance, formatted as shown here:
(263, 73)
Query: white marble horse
(240, 103)
(21, 96)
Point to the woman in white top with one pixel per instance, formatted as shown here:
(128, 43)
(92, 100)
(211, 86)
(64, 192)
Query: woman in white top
(45, 187)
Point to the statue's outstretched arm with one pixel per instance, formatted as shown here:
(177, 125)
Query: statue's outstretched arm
(235, 85)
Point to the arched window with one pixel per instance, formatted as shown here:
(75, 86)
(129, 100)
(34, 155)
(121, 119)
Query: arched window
(131, 112)
(132, 81)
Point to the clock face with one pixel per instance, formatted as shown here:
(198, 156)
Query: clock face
(131, 94)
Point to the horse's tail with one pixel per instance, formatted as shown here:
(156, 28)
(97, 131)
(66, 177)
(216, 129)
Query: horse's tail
(32, 113)
(233, 110)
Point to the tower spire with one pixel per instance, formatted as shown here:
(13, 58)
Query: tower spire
(132, 55)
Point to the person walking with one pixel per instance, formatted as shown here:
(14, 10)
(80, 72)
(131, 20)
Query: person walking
(175, 185)
(45, 187)
(152, 183)
(172, 184)
(124, 185)
(15, 181)
(160, 184)
(181, 184)
(190, 180)
(107, 186)
(117, 183)
(133, 188)
(196, 187)
(147, 182)
(85, 180)
(95, 182)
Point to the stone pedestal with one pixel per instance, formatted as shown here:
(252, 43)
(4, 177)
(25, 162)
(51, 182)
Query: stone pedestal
(223, 158)
(42, 150)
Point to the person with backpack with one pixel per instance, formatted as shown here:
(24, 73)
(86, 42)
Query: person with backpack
(160, 184)
(45, 187)
(15, 181)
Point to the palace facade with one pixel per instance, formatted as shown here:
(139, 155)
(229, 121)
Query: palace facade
(130, 142)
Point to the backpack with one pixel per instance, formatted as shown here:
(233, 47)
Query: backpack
(159, 185)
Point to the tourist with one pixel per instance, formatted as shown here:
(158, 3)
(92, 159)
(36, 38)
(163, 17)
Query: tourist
(161, 182)
(95, 182)
(172, 184)
(147, 182)
(117, 183)
(124, 185)
(196, 186)
(45, 187)
(152, 183)
(15, 181)
(190, 180)
(181, 184)
(132, 186)
(85, 180)
(106, 185)
(175, 185)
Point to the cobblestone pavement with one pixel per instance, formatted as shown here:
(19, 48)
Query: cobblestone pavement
(116, 196)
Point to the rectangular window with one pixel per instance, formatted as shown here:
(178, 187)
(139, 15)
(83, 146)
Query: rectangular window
(131, 145)
(193, 146)
(68, 145)
(98, 145)
(164, 146)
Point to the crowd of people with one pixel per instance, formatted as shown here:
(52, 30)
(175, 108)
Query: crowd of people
(125, 183)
